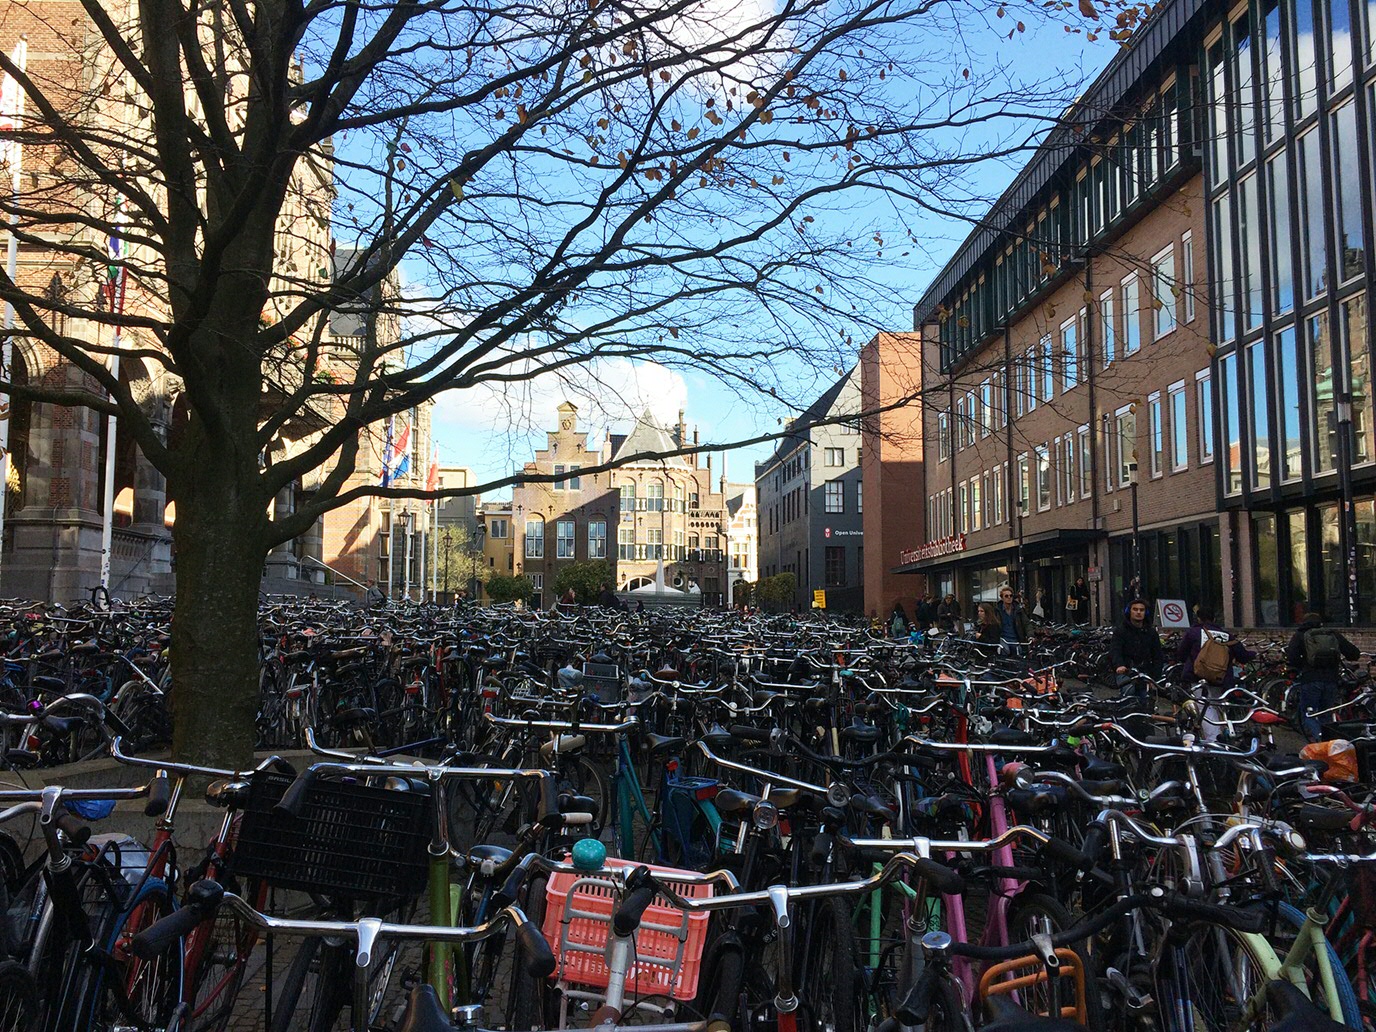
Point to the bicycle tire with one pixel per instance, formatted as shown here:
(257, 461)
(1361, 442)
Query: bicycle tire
(18, 998)
(1342, 982)
(154, 987)
(1053, 917)
(220, 972)
(311, 988)
(530, 1005)
(830, 984)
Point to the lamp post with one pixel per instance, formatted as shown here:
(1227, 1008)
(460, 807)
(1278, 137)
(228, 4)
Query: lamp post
(1138, 591)
(479, 533)
(406, 518)
(1022, 562)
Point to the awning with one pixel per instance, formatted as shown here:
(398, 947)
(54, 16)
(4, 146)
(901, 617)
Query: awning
(1034, 546)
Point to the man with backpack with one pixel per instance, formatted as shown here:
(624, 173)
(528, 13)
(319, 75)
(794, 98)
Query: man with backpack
(1207, 653)
(1315, 655)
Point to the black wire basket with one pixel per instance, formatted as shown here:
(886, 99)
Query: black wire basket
(350, 841)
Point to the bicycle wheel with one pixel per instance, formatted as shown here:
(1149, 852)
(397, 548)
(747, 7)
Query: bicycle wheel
(18, 998)
(1291, 921)
(530, 1004)
(830, 982)
(314, 988)
(1033, 913)
(153, 987)
(1204, 982)
(221, 959)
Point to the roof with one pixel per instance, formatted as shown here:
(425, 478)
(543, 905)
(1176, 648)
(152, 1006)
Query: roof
(737, 496)
(819, 409)
(1099, 104)
(648, 437)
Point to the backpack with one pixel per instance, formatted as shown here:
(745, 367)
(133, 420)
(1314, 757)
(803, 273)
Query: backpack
(1321, 648)
(1214, 659)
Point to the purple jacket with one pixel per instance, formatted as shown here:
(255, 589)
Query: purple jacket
(1193, 640)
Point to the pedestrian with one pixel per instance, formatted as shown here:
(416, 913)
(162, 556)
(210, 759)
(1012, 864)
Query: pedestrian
(1208, 653)
(570, 597)
(1315, 654)
(1039, 607)
(1136, 649)
(1013, 627)
(924, 614)
(1077, 602)
(374, 597)
(898, 621)
(988, 627)
(606, 598)
(948, 613)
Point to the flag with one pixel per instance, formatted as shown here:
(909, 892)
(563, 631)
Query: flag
(396, 457)
(116, 274)
(432, 475)
(12, 114)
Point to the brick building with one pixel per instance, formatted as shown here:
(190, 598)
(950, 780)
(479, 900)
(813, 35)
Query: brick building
(1154, 356)
(644, 513)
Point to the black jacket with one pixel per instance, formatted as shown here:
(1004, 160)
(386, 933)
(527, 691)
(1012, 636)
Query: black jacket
(1294, 654)
(1137, 648)
(947, 613)
(924, 615)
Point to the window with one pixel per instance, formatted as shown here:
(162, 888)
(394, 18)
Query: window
(627, 496)
(835, 562)
(693, 499)
(976, 505)
(1187, 274)
(1048, 369)
(971, 415)
(1086, 462)
(1282, 273)
(575, 483)
(1232, 424)
(563, 539)
(1204, 413)
(1261, 416)
(1068, 477)
(1180, 431)
(943, 436)
(1354, 322)
(558, 485)
(1132, 318)
(1311, 209)
(986, 408)
(1125, 445)
(835, 496)
(535, 537)
(1158, 442)
(1347, 188)
(860, 496)
(597, 539)
(1070, 355)
(678, 498)
(677, 553)
(1043, 478)
(1107, 326)
(655, 502)
(836, 456)
(962, 522)
(655, 538)
(1024, 485)
(1340, 45)
(1163, 288)
(1249, 250)
(496, 528)
(1288, 363)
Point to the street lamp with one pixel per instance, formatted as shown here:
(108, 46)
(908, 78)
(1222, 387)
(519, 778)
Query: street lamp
(1022, 562)
(479, 533)
(1138, 591)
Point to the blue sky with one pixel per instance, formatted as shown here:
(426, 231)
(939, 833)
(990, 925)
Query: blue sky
(493, 433)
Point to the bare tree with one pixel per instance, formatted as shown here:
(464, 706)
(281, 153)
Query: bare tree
(558, 183)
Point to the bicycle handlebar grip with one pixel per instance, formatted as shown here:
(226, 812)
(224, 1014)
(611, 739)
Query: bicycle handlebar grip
(1215, 913)
(203, 899)
(636, 901)
(159, 795)
(78, 833)
(746, 733)
(1096, 838)
(942, 878)
(539, 959)
(549, 802)
(1059, 849)
(294, 798)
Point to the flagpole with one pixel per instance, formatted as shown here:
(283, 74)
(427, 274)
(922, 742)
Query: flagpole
(107, 527)
(12, 269)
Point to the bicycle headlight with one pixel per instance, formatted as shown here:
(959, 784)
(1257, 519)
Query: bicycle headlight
(765, 815)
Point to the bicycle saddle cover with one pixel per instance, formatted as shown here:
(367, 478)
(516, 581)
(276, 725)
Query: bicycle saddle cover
(424, 1013)
(1298, 1013)
(1007, 1016)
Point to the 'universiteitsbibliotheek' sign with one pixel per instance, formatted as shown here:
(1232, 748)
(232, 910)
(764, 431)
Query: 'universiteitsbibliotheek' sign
(932, 549)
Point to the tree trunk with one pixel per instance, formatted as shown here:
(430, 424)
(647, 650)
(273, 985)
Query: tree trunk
(220, 555)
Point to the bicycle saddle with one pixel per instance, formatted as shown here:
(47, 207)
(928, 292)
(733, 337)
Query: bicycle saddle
(1096, 769)
(1298, 1013)
(424, 1013)
(1007, 1016)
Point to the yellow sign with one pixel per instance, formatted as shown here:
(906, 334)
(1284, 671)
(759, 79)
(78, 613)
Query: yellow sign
(819, 599)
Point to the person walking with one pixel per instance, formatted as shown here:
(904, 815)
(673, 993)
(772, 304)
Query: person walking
(898, 621)
(1136, 648)
(988, 627)
(924, 614)
(1013, 624)
(373, 597)
(1208, 653)
(1315, 654)
(948, 613)
(1077, 602)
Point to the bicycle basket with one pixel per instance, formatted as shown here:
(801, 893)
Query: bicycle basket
(352, 841)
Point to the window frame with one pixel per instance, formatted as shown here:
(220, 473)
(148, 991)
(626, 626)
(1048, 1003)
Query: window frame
(1156, 431)
(561, 539)
(1206, 433)
(1187, 280)
(836, 497)
(597, 545)
(1166, 312)
(531, 541)
(1131, 319)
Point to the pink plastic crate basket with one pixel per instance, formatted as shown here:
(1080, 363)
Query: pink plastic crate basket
(668, 945)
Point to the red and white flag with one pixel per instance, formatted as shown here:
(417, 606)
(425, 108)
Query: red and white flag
(12, 114)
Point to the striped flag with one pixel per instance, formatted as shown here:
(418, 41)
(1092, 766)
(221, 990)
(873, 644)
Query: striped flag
(396, 457)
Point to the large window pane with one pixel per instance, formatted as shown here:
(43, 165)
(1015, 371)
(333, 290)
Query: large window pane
(1107, 327)
(1288, 368)
(1273, 73)
(1264, 547)
(1298, 562)
(1347, 192)
(1232, 429)
(1311, 206)
(1241, 132)
(1333, 589)
(1158, 434)
(1282, 269)
(1204, 412)
(1306, 79)
(1070, 355)
(1249, 243)
(1324, 400)
(1261, 417)
(1340, 45)
(1180, 431)
(1043, 478)
(1223, 275)
(1366, 560)
(1218, 132)
(1132, 315)
(1354, 315)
